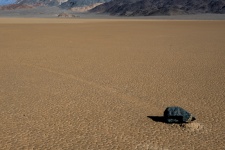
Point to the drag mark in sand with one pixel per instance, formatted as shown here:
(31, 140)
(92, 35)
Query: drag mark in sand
(130, 99)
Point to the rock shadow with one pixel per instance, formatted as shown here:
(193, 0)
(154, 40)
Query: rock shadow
(157, 118)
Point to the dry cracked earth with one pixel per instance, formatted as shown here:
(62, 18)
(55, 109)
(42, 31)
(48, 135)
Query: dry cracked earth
(93, 84)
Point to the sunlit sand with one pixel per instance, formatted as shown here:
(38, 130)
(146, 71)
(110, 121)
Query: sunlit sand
(91, 84)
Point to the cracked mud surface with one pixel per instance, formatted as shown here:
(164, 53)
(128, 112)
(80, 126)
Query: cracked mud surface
(92, 84)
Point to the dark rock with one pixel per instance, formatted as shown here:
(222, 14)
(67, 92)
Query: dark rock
(160, 7)
(177, 115)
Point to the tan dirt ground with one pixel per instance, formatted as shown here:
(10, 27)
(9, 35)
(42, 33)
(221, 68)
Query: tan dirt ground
(91, 84)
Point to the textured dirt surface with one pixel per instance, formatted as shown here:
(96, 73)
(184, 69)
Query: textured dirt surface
(93, 84)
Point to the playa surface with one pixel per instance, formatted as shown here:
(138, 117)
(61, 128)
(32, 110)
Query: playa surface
(97, 84)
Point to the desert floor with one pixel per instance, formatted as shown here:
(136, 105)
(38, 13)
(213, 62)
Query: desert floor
(92, 84)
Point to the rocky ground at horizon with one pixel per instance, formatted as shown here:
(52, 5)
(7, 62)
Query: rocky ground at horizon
(128, 7)
(53, 12)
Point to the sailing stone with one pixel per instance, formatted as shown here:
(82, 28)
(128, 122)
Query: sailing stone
(177, 115)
